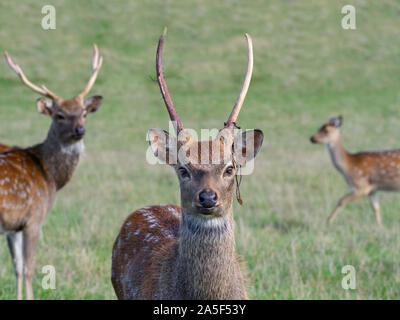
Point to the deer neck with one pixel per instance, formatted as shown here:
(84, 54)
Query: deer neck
(207, 266)
(58, 160)
(338, 154)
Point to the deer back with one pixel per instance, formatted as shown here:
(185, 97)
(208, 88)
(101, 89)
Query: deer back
(146, 239)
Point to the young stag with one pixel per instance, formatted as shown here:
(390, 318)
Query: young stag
(364, 172)
(187, 252)
(29, 178)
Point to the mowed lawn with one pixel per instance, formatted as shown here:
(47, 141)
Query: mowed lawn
(306, 69)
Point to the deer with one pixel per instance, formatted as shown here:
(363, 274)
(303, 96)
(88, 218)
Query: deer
(188, 251)
(30, 177)
(366, 173)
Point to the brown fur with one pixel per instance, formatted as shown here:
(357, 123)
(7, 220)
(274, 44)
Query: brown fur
(133, 258)
(4, 148)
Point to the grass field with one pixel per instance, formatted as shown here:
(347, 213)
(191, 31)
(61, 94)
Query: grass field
(306, 69)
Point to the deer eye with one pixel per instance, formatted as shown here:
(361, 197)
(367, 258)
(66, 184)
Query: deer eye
(59, 116)
(229, 171)
(184, 173)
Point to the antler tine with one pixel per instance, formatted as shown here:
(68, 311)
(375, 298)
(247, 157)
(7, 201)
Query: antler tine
(163, 86)
(96, 65)
(242, 95)
(95, 58)
(16, 68)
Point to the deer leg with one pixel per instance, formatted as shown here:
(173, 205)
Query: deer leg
(15, 245)
(31, 237)
(351, 196)
(373, 199)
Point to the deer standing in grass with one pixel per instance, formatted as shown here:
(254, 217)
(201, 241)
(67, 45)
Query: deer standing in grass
(187, 252)
(29, 178)
(365, 172)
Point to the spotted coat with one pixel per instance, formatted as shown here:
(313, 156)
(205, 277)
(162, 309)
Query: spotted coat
(146, 237)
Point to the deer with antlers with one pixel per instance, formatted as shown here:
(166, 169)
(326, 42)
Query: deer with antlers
(188, 251)
(365, 172)
(30, 177)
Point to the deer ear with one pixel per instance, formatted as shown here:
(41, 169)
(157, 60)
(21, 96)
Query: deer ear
(44, 106)
(336, 122)
(340, 121)
(92, 104)
(246, 145)
(163, 146)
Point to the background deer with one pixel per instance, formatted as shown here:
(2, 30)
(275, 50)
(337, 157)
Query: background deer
(187, 252)
(29, 178)
(364, 172)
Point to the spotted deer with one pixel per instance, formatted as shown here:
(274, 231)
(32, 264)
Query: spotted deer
(30, 177)
(187, 251)
(365, 172)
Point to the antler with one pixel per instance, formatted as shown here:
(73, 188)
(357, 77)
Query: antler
(240, 99)
(96, 65)
(163, 86)
(42, 91)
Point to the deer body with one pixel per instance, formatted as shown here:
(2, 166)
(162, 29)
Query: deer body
(30, 177)
(32, 174)
(161, 253)
(365, 172)
(29, 180)
(188, 252)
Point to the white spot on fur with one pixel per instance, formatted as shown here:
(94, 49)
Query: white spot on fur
(214, 222)
(174, 212)
(151, 220)
(151, 238)
(144, 212)
(76, 148)
(167, 234)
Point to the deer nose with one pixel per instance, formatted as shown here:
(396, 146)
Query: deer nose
(208, 198)
(80, 130)
(312, 139)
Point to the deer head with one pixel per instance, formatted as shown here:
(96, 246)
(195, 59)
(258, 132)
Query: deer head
(68, 115)
(206, 169)
(329, 132)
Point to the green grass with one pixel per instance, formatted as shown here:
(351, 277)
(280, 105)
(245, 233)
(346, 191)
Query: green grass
(306, 69)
